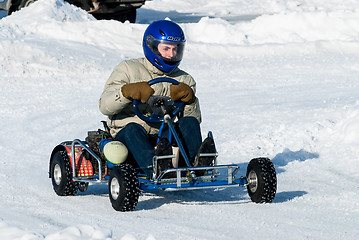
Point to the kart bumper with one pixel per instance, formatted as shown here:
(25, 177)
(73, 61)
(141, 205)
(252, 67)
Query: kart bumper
(186, 178)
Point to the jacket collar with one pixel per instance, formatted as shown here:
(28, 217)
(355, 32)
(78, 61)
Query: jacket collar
(155, 71)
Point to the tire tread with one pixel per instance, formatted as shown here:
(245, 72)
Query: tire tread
(267, 180)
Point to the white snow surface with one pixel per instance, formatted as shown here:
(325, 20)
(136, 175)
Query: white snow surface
(275, 78)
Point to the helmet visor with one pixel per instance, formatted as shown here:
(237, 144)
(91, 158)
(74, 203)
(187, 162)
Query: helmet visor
(170, 52)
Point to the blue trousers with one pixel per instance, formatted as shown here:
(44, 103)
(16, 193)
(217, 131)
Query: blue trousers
(140, 144)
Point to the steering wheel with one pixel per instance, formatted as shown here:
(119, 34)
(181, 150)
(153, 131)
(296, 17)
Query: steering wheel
(158, 103)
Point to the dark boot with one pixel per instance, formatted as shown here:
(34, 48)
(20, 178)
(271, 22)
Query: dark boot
(163, 148)
(207, 146)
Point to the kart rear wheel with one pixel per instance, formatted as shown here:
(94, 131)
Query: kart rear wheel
(262, 180)
(123, 188)
(61, 175)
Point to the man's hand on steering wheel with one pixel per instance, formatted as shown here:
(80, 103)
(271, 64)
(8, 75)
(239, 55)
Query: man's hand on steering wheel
(182, 92)
(140, 91)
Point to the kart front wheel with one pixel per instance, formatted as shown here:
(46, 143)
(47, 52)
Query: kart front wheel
(61, 175)
(262, 180)
(123, 188)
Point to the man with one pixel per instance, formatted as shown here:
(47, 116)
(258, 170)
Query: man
(163, 45)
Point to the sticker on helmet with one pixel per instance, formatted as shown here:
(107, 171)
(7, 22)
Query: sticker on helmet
(173, 38)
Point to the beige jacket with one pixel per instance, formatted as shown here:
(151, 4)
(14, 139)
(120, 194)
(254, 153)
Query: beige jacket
(119, 109)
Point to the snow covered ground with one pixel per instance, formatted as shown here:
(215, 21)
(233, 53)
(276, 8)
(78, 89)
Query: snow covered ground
(275, 78)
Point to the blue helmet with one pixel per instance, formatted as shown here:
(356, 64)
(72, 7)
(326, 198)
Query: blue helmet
(163, 36)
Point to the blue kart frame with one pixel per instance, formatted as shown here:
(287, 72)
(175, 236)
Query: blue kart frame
(190, 181)
(125, 183)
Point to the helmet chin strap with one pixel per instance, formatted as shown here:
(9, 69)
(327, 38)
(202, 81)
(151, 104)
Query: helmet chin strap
(157, 62)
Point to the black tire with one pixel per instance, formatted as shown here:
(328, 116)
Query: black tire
(61, 175)
(13, 8)
(26, 3)
(123, 188)
(130, 16)
(262, 180)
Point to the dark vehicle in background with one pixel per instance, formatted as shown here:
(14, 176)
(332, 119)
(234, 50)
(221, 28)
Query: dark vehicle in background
(121, 10)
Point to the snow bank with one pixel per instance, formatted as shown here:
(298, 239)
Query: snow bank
(348, 129)
(60, 20)
(278, 29)
(8, 232)
(345, 130)
(56, 20)
(340, 143)
(304, 27)
(70, 233)
(48, 11)
(233, 8)
(81, 232)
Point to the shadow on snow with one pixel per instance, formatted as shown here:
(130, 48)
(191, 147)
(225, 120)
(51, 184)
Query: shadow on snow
(287, 156)
(193, 197)
(282, 197)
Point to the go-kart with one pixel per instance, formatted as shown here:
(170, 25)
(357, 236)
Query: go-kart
(75, 164)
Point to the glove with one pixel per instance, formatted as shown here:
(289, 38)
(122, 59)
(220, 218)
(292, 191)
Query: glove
(139, 91)
(182, 92)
